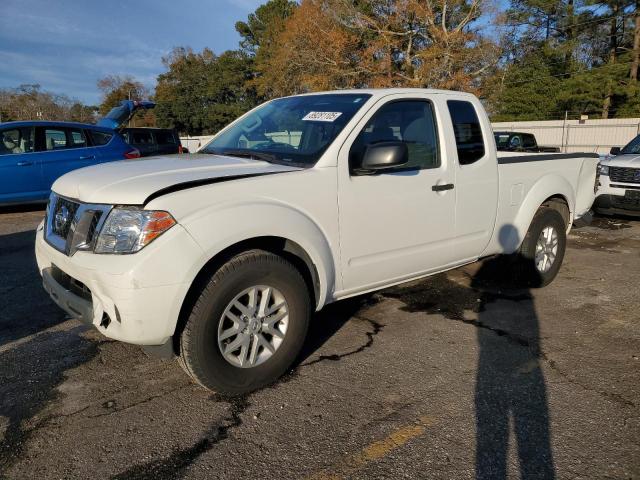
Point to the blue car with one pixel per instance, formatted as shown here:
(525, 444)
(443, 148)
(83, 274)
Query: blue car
(34, 154)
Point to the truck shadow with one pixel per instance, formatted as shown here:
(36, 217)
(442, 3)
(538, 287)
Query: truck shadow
(26, 308)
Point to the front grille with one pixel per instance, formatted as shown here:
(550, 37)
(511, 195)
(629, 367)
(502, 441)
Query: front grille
(93, 226)
(71, 226)
(62, 216)
(626, 202)
(70, 283)
(624, 174)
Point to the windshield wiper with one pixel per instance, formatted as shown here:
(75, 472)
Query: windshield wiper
(267, 157)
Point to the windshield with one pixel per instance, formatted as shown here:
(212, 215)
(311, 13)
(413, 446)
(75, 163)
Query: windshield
(293, 130)
(633, 147)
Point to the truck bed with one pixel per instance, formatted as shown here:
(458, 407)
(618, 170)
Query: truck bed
(528, 179)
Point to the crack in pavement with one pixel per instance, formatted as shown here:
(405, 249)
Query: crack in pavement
(377, 328)
(113, 411)
(441, 295)
(614, 397)
(176, 464)
(537, 352)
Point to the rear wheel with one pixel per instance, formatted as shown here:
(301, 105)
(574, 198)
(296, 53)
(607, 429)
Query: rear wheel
(248, 325)
(542, 249)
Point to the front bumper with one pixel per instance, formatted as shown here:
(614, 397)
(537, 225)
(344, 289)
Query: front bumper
(616, 204)
(76, 306)
(612, 198)
(132, 298)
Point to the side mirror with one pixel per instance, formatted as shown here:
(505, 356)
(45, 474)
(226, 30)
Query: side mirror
(384, 155)
(615, 151)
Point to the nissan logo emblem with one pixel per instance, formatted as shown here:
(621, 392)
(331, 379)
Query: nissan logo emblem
(61, 218)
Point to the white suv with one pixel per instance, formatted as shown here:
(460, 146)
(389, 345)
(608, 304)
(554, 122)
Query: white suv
(619, 181)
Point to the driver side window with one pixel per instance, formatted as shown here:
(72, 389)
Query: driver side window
(408, 121)
(16, 140)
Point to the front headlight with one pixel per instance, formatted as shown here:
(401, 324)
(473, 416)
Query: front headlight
(603, 169)
(129, 230)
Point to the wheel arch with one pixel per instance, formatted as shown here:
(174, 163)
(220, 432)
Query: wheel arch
(282, 246)
(560, 203)
(550, 190)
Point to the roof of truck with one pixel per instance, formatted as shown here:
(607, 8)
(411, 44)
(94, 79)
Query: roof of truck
(389, 91)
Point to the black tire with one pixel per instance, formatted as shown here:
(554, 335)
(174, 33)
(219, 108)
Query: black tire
(200, 355)
(526, 269)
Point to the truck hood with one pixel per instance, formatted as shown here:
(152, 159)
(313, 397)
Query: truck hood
(632, 160)
(133, 182)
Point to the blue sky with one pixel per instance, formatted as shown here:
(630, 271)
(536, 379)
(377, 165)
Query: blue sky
(67, 45)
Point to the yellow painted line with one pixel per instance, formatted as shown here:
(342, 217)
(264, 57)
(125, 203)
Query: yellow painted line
(375, 451)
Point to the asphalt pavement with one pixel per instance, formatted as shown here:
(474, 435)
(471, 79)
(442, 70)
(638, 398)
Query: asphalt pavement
(453, 377)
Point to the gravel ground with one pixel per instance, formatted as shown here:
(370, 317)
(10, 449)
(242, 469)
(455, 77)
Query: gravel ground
(456, 376)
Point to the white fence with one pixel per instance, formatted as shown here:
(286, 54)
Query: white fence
(195, 143)
(596, 136)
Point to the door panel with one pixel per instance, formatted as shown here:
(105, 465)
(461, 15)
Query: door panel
(20, 173)
(65, 149)
(476, 178)
(394, 225)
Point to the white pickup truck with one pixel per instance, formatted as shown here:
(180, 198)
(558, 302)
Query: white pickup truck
(220, 258)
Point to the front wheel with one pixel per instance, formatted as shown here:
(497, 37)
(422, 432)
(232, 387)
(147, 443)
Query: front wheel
(248, 325)
(542, 249)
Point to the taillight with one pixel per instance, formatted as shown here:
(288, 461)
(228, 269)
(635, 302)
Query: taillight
(180, 149)
(133, 153)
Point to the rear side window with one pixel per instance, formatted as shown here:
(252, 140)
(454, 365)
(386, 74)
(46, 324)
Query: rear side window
(55, 139)
(164, 137)
(16, 140)
(528, 141)
(100, 138)
(77, 138)
(466, 127)
(141, 138)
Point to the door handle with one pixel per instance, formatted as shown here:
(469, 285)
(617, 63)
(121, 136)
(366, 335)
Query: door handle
(442, 188)
(24, 163)
(88, 157)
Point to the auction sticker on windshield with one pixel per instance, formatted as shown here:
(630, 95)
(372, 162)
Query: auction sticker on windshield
(321, 116)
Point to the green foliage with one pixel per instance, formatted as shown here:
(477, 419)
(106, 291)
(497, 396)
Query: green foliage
(529, 91)
(261, 26)
(202, 92)
(78, 112)
(578, 51)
